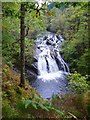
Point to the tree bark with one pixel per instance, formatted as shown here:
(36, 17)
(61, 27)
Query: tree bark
(22, 45)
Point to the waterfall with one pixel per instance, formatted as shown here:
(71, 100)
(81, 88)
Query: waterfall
(51, 66)
(49, 47)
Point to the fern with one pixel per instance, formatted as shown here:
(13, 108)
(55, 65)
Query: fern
(58, 111)
(28, 103)
(36, 105)
(43, 107)
(37, 97)
(55, 110)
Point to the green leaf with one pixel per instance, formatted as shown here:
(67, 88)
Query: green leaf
(34, 105)
(43, 107)
(59, 112)
(27, 103)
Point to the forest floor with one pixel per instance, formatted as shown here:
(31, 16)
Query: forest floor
(25, 102)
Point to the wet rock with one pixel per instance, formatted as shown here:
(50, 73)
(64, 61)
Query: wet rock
(30, 72)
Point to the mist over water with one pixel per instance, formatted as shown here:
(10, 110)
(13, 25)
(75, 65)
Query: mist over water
(52, 69)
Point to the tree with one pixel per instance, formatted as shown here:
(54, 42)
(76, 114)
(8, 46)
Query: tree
(28, 15)
(22, 37)
(23, 34)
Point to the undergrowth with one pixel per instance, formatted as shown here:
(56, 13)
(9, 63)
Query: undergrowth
(25, 102)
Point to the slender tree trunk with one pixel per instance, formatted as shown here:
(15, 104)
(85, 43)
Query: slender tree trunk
(22, 32)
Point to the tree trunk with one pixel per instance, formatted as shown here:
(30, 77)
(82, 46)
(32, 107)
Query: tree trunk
(22, 45)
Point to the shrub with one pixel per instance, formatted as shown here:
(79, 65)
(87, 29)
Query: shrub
(78, 83)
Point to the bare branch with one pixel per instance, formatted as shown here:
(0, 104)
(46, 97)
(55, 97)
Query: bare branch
(73, 116)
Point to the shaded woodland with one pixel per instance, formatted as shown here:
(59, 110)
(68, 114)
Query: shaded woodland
(21, 24)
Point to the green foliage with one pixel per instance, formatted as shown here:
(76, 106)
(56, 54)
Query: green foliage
(30, 103)
(9, 36)
(83, 63)
(27, 104)
(11, 31)
(23, 103)
(78, 83)
(29, 50)
(76, 47)
(11, 9)
(71, 21)
(37, 24)
(68, 19)
(8, 111)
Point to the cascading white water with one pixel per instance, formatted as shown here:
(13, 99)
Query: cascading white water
(49, 49)
(51, 66)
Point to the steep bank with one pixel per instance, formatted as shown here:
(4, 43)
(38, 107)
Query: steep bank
(23, 103)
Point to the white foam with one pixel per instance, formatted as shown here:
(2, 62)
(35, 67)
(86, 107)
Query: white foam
(51, 76)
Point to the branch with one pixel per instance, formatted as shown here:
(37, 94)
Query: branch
(73, 116)
(27, 30)
(38, 9)
(18, 40)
